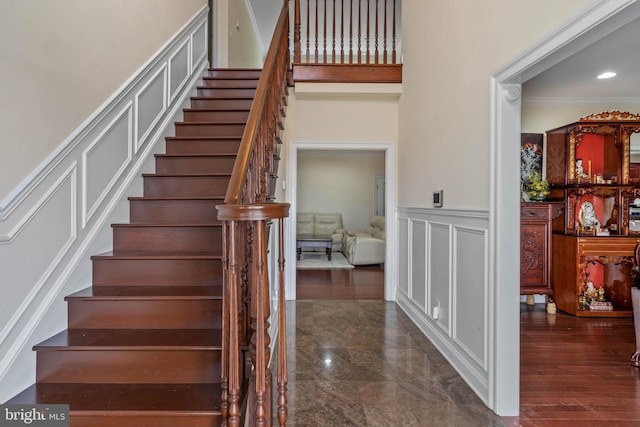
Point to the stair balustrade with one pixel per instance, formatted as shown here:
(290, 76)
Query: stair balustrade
(346, 41)
(246, 215)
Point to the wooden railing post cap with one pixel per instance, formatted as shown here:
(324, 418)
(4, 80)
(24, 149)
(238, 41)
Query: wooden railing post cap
(253, 212)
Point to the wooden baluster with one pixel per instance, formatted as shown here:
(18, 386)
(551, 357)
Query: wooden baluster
(308, 33)
(377, 35)
(384, 43)
(234, 345)
(324, 34)
(262, 313)
(333, 53)
(359, 31)
(283, 375)
(317, 33)
(296, 34)
(393, 42)
(224, 359)
(342, 31)
(368, 40)
(350, 31)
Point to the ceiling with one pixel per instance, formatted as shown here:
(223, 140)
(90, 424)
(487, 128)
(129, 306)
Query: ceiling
(575, 77)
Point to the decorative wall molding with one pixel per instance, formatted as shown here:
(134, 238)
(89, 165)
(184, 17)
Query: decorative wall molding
(77, 220)
(446, 268)
(112, 166)
(150, 104)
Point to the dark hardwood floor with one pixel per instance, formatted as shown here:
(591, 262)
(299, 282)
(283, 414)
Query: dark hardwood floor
(360, 283)
(574, 371)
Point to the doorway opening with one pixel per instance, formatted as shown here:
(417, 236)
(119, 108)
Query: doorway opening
(298, 149)
(595, 22)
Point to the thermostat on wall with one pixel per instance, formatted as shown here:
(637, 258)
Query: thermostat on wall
(437, 198)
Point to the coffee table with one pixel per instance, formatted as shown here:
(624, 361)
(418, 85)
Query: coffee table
(311, 241)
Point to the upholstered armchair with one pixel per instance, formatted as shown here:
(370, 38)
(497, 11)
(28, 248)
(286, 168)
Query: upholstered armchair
(367, 246)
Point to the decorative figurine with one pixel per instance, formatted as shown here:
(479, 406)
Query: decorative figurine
(587, 217)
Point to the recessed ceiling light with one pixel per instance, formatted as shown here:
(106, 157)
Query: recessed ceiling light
(606, 75)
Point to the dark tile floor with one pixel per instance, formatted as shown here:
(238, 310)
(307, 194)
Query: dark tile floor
(364, 363)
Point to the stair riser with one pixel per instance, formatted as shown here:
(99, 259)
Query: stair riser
(234, 74)
(206, 186)
(156, 272)
(231, 104)
(129, 366)
(225, 93)
(233, 130)
(144, 314)
(168, 239)
(214, 116)
(172, 211)
(202, 146)
(165, 419)
(237, 83)
(176, 165)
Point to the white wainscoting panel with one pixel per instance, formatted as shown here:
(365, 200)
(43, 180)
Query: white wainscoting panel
(150, 105)
(403, 255)
(50, 226)
(439, 266)
(445, 267)
(470, 290)
(418, 273)
(105, 160)
(199, 43)
(179, 69)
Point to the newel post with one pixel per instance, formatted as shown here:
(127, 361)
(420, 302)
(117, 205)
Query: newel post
(296, 33)
(256, 216)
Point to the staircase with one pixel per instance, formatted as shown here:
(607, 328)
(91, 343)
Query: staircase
(143, 344)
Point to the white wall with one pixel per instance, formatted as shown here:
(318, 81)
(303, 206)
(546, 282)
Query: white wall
(245, 48)
(61, 60)
(50, 229)
(539, 116)
(451, 50)
(339, 182)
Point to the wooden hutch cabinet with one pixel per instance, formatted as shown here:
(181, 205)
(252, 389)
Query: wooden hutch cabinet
(536, 220)
(588, 165)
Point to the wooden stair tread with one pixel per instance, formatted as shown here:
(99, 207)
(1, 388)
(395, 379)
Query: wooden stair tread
(218, 97)
(157, 256)
(133, 339)
(212, 223)
(160, 198)
(197, 155)
(201, 138)
(220, 109)
(149, 292)
(210, 123)
(130, 398)
(188, 175)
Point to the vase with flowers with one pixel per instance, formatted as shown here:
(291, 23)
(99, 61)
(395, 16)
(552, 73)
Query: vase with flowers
(537, 188)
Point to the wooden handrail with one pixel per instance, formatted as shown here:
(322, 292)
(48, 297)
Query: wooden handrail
(271, 87)
(246, 215)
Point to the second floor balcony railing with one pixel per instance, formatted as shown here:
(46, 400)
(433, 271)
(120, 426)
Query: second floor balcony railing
(347, 41)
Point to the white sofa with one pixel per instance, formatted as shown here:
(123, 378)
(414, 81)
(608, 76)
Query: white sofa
(321, 224)
(368, 246)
